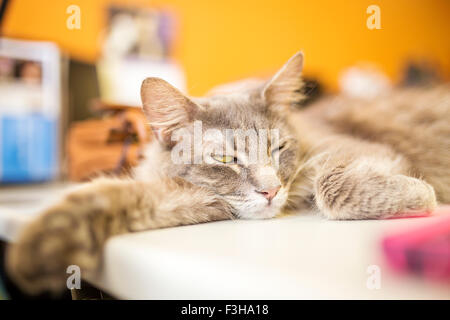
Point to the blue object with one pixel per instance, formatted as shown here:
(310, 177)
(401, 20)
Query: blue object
(28, 148)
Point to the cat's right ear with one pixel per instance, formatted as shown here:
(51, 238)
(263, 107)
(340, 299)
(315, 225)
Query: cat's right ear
(166, 108)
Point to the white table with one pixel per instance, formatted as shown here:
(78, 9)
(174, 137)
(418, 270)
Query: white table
(295, 257)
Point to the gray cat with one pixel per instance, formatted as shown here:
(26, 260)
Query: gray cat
(350, 159)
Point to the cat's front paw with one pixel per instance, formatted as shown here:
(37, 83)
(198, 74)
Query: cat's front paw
(38, 261)
(342, 195)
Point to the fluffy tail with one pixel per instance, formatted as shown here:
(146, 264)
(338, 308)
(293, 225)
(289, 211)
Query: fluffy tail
(74, 231)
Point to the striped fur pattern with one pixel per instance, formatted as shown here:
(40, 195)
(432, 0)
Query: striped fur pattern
(350, 159)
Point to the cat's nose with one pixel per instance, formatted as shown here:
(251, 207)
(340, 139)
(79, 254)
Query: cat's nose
(269, 194)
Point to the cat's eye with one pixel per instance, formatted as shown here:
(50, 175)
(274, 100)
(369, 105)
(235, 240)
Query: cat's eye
(223, 159)
(274, 151)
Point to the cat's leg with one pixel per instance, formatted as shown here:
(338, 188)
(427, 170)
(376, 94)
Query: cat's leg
(370, 187)
(73, 231)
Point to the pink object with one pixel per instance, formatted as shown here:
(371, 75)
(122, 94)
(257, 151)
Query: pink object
(424, 251)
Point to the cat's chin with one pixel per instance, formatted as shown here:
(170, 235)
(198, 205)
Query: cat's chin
(259, 208)
(264, 213)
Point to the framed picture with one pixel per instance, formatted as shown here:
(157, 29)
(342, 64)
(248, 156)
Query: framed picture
(30, 111)
(137, 44)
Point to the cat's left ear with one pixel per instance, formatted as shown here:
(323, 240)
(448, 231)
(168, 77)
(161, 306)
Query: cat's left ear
(284, 89)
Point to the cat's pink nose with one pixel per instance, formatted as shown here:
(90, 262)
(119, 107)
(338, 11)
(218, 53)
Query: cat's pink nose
(269, 194)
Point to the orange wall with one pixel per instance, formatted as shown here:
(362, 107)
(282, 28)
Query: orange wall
(226, 40)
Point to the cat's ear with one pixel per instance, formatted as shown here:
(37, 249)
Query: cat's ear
(166, 108)
(284, 89)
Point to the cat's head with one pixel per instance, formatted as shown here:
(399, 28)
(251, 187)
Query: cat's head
(213, 141)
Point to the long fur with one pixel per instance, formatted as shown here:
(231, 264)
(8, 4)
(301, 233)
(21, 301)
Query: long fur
(350, 159)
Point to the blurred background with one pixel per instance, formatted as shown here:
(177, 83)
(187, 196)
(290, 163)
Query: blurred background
(70, 70)
(219, 41)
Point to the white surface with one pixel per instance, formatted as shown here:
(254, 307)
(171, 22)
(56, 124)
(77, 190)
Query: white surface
(294, 257)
